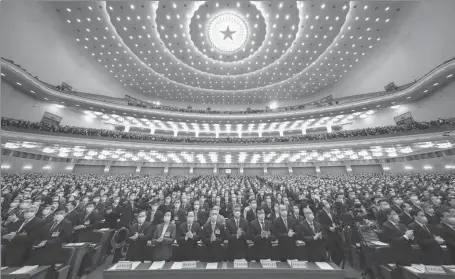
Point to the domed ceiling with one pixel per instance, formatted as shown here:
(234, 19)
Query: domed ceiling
(229, 52)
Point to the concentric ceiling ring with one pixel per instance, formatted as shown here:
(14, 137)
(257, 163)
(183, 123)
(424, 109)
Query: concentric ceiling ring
(227, 32)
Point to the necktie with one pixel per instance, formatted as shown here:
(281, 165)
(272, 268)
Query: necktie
(53, 226)
(22, 226)
(189, 227)
(312, 226)
(426, 228)
(237, 223)
(285, 223)
(139, 228)
(262, 225)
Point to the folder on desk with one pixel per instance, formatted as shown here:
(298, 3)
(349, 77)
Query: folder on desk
(379, 243)
(157, 265)
(177, 265)
(211, 266)
(3, 267)
(25, 269)
(134, 265)
(324, 266)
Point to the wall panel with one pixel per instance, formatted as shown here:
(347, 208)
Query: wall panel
(203, 171)
(278, 171)
(366, 168)
(123, 169)
(179, 171)
(89, 169)
(152, 171)
(334, 170)
(253, 171)
(303, 170)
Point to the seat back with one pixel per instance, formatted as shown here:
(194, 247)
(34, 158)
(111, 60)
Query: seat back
(68, 253)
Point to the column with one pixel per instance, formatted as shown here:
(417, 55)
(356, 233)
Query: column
(241, 170)
(385, 167)
(166, 170)
(138, 168)
(196, 133)
(348, 168)
(217, 134)
(191, 170)
(318, 169)
(265, 170)
(176, 133)
(290, 169)
(127, 128)
(152, 130)
(329, 129)
(240, 135)
(281, 133)
(260, 134)
(303, 131)
(215, 169)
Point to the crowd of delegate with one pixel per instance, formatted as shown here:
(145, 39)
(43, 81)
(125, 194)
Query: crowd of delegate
(104, 133)
(218, 218)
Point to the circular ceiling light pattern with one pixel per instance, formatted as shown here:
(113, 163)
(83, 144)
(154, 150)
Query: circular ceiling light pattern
(211, 38)
(227, 32)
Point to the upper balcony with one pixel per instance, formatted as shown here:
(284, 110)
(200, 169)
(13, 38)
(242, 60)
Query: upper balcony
(428, 84)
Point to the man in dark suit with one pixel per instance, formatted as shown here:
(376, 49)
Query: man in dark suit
(380, 215)
(188, 236)
(128, 211)
(19, 240)
(261, 233)
(237, 232)
(430, 215)
(89, 221)
(199, 215)
(178, 214)
(46, 215)
(99, 206)
(213, 235)
(329, 225)
(285, 231)
(139, 234)
(398, 237)
(251, 213)
(296, 214)
(447, 231)
(166, 206)
(432, 253)
(48, 250)
(311, 233)
(396, 205)
(268, 207)
(72, 214)
(415, 203)
(405, 216)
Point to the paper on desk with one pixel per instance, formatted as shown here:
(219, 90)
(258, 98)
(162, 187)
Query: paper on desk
(324, 265)
(211, 266)
(134, 265)
(158, 265)
(25, 269)
(3, 267)
(103, 229)
(419, 268)
(177, 265)
(379, 243)
(75, 244)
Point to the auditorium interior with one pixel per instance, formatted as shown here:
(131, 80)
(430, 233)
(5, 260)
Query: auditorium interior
(223, 138)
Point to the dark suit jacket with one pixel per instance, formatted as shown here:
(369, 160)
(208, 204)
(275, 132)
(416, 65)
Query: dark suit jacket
(250, 215)
(183, 229)
(163, 249)
(315, 248)
(60, 233)
(396, 208)
(448, 234)
(255, 231)
(268, 210)
(432, 253)
(400, 246)
(143, 231)
(201, 217)
(406, 219)
(231, 229)
(220, 233)
(74, 217)
(178, 218)
(19, 248)
(127, 213)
